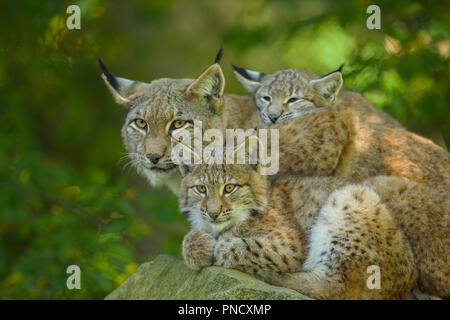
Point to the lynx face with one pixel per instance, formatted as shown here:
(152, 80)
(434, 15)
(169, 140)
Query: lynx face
(215, 197)
(288, 94)
(157, 110)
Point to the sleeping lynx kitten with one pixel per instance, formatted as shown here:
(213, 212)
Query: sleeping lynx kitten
(318, 235)
(157, 109)
(289, 94)
(328, 131)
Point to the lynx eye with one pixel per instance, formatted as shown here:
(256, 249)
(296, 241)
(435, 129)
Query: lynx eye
(177, 124)
(200, 189)
(291, 100)
(229, 188)
(267, 98)
(141, 124)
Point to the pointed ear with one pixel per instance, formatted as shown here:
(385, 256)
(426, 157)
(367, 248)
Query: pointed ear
(329, 85)
(123, 90)
(248, 78)
(209, 85)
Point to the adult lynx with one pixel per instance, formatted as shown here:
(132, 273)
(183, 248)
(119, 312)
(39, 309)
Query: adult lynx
(159, 108)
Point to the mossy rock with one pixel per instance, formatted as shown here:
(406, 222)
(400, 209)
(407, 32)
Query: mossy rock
(168, 278)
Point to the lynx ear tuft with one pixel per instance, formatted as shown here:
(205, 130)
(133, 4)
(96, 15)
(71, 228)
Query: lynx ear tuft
(249, 74)
(219, 55)
(123, 90)
(109, 76)
(337, 70)
(248, 78)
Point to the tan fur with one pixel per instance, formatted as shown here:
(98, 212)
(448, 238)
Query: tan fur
(353, 142)
(319, 235)
(344, 136)
(350, 139)
(239, 112)
(419, 215)
(162, 102)
(308, 91)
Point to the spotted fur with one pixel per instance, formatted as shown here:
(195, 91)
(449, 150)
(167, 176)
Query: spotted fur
(319, 235)
(163, 101)
(342, 135)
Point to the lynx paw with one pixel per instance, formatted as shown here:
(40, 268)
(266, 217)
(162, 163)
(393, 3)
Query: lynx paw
(228, 252)
(198, 249)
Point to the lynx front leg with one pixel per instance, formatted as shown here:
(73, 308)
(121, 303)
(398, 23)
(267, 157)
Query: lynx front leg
(257, 255)
(198, 247)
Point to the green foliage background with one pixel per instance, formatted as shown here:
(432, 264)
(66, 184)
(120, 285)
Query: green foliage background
(64, 197)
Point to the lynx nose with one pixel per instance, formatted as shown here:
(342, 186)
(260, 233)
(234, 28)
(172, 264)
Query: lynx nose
(153, 157)
(213, 215)
(273, 117)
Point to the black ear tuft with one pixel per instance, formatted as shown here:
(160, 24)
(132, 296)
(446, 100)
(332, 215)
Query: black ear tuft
(219, 55)
(242, 72)
(337, 70)
(109, 76)
(249, 74)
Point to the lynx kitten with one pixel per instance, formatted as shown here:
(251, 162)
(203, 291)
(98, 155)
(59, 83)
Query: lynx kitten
(318, 235)
(328, 131)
